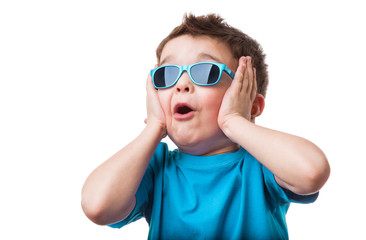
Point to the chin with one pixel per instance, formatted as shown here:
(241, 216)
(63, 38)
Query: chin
(203, 146)
(188, 144)
(184, 142)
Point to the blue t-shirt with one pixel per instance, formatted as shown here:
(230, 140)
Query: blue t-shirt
(227, 196)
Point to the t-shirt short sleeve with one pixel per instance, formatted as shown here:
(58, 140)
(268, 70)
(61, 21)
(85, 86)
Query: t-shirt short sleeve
(283, 196)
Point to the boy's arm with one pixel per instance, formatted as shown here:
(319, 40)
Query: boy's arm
(298, 164)
(108, 195)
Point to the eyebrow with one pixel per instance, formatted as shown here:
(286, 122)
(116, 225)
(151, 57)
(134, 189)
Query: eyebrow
(209, 57)
(164, 60)
(204, 56)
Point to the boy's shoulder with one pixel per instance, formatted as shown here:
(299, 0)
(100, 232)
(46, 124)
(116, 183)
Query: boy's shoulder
(160, 155)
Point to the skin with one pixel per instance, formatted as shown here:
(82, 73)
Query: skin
(223, 119)
(201, 134)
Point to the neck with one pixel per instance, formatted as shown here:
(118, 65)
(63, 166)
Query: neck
(233, 147)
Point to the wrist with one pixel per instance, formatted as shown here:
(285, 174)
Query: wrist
(157, 128)
(231, 124)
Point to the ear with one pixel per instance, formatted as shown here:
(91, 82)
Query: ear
(257, 107)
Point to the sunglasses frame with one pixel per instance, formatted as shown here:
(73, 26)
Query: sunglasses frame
(187, 68)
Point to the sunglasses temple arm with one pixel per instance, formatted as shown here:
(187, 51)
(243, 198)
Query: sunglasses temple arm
(228, 71)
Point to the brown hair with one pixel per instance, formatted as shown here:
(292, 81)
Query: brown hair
(214, 26)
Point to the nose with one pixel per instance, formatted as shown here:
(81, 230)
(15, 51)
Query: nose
(184, 84)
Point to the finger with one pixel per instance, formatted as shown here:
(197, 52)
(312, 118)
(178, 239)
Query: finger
(149, 83)
(245, 77)
(148, 80)
(254, 90)
(239, 74)
(249, 75)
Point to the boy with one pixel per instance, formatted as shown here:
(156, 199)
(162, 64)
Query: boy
(229, 178)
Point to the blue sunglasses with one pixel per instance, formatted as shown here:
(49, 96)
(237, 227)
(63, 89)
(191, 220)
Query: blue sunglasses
(202, 74)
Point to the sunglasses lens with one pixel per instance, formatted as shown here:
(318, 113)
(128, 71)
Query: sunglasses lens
(166, 76)
(205, 73)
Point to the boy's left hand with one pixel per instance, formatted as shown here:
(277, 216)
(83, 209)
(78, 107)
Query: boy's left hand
(239, 97)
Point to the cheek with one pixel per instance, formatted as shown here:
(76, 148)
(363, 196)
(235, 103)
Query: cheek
(212, 102)
(225, 82)
(164, 99)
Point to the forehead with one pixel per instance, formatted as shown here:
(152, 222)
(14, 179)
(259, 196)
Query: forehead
(187, 49)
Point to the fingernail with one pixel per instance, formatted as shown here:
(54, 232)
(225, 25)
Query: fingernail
(249, 59)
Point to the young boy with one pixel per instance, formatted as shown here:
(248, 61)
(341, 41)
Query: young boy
(229, 178)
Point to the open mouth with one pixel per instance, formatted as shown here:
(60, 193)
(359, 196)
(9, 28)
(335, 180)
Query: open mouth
(183, 111)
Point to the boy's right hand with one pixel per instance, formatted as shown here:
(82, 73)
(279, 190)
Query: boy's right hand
(155, 113)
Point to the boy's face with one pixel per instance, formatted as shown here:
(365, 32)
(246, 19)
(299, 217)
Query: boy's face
(191, 111)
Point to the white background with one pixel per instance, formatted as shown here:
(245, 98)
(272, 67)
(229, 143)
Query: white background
(72, 93)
